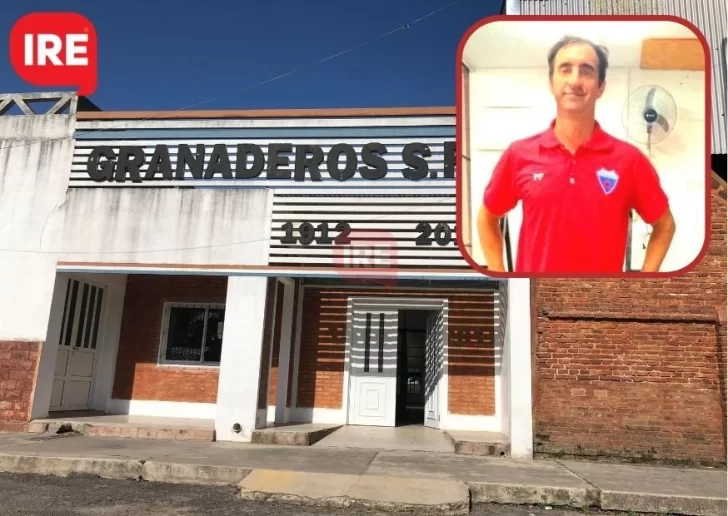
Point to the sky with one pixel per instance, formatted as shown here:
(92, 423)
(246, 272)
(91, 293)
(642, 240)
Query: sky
(166, 54)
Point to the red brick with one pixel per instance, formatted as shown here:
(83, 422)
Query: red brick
(471, 368)
(138, 375)
(13, 426)
(651, 382)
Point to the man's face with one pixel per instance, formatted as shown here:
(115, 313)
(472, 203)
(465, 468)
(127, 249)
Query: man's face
(575, 80)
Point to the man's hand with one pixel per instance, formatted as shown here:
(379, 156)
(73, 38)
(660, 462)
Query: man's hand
(662, 232)
(491, 240)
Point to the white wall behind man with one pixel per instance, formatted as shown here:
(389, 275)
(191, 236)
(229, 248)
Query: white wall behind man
(507, 104)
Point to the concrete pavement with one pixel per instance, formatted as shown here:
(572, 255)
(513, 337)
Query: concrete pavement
(386, 480)
(93, 496)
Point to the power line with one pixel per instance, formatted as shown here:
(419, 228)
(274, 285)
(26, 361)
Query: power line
(402, 27)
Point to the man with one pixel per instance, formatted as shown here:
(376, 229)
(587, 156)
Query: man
(577, 184)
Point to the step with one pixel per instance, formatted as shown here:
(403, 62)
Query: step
(129, 430)
(294, 434)
(484, 444)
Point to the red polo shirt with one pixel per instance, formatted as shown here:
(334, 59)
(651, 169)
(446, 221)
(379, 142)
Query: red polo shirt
(575, 207)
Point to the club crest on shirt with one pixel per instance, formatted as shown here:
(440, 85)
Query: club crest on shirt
(608, 180)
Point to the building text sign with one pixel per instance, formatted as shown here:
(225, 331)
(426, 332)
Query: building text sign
(251, 161)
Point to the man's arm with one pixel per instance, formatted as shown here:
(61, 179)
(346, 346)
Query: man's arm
(651, 203)
(491, 240)
(500, 196)
(663, 229)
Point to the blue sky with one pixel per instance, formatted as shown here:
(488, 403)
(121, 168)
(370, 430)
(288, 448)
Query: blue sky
(165, 54)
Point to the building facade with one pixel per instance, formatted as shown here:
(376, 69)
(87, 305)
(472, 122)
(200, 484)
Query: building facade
(188, 281)
(637, 369)
(251, 268)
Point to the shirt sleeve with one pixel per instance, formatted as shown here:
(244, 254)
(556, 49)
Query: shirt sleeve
(500, 195)
(648, 197)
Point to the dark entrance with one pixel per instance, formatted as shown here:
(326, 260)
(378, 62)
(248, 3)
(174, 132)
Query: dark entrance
(412, 331)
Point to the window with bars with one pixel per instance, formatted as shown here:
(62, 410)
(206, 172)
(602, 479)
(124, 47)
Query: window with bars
(82, 311)
(192, 333)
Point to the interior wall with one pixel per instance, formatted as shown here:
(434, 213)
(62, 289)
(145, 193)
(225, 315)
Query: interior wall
(507, 104)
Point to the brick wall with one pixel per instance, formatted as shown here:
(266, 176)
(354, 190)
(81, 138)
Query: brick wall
(18, 369)
(635, 368)
(275, 357)
(138, 374)
(471, 347)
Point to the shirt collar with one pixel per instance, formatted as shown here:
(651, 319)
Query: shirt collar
(599, 140)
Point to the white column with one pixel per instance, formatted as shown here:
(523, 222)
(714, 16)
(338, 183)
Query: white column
(284, 347)
(519, 366)
(49, 351)
(237, 390)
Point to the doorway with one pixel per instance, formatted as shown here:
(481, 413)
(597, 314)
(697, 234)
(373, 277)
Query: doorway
(77, 346)
(396, 351)
(411, 332)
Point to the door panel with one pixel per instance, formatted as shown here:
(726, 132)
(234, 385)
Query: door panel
(434, 354)
(76, 394)
(56, 395)
(61, 361)
(373, 367)
(76, 358)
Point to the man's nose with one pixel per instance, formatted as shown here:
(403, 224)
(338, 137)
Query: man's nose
(574, 78)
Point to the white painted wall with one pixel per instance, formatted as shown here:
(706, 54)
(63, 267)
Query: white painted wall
(174, 409)
(502, 357)
(237, 397)
(226, 226)
(518, 380)
(507, 104)
(35, 155)
(41, 222)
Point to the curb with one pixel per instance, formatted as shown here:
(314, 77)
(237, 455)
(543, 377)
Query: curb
(421, 496)
(124, 469)
(451, 509)
(521, 494)
(63, 466)
(472, 492)
(663, 504)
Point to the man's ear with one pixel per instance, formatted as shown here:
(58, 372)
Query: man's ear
(602, 87)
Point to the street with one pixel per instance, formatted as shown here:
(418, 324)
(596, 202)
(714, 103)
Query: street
(91, 496)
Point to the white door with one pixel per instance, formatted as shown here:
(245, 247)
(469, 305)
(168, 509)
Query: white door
(77, 346)
(434, 354)
(373, 367)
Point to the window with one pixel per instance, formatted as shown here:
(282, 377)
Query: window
(192, 333)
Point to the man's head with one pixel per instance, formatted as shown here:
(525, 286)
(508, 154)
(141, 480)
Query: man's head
(577, 73)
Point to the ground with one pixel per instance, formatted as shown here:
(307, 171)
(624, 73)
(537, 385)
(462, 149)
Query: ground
(92, 496)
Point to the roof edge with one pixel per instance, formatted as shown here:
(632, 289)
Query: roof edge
(267, 113)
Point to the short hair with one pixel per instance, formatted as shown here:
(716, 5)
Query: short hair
(601, 51)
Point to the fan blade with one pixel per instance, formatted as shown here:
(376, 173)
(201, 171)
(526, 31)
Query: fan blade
(649, 142)
(663, 123)
(650, 98)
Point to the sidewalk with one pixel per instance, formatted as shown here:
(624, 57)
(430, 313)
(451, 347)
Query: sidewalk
(437, 483)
